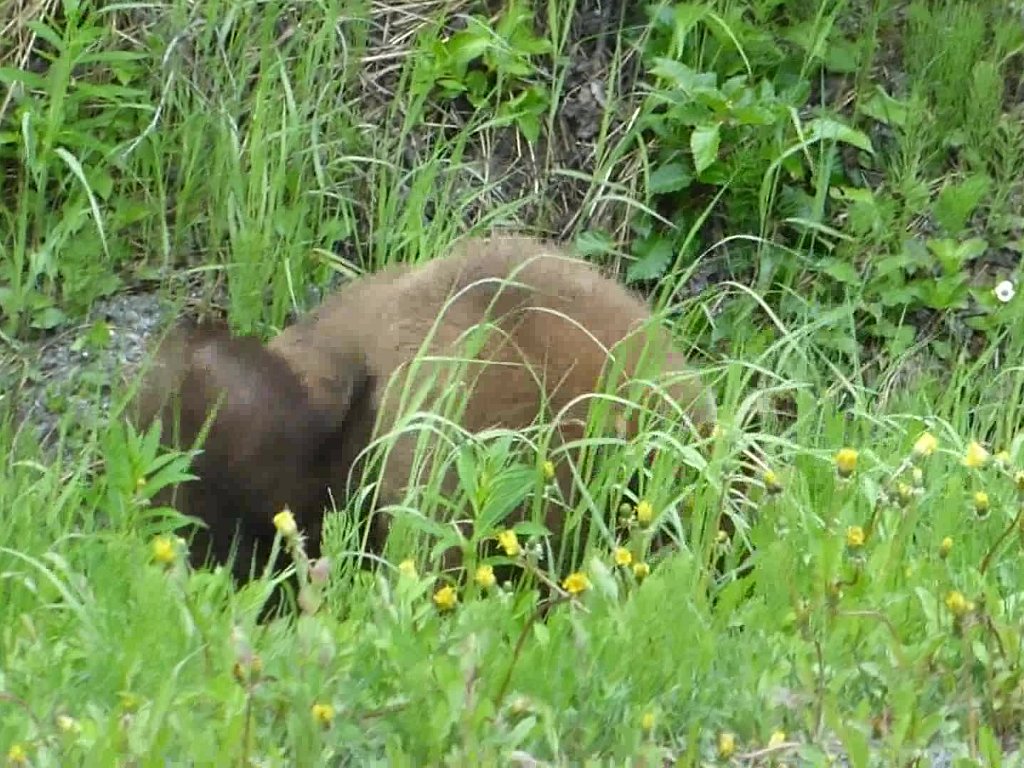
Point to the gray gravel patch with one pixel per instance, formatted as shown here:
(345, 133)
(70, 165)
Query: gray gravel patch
(75, 374)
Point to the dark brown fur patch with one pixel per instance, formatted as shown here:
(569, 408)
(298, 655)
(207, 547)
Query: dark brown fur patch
(268, 444)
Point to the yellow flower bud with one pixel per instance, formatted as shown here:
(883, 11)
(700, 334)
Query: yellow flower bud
(846, 462)
(446, 598)
(644, 512)
(904, 494)
(976, 456)
(323, 714)
(771, 482)
(925, 445)
(284, 522)
(164, 551)
(726, 745)
(647, 721)
(957, 604)
(485, 576)
(981, 503)
(945, 547)
(575, 583)
(509, 542)
(16, 755)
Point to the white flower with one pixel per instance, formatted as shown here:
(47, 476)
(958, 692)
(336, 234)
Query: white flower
(1004, 291)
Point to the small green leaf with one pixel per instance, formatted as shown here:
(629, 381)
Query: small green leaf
(884, 108)
(685, 16)
(670, 177)
(842, 56)
(466, 45)
(827, 128)
(681, 76)
(957, 202)
(47, 319)
(529, 126)
(651, 264)
(529, 528)
(843, 271)
(753, 114)
(591, 243)
(704, 143)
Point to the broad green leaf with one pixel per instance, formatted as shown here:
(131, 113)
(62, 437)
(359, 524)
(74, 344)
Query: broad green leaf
(956, 202)
(827, 128)
(704, 143)
(843, 271)
(651, 264)
(594, 243)
(670, 177)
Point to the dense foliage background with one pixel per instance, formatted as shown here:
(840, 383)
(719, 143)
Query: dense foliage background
(829, 193)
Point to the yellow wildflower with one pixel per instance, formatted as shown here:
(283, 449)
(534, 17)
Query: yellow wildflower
(855, 537)
(981, 503)
(549, 470)
(575, 583)
(771, 482)
(446, 598)
(644, 512)
(647, 721)
(509, 542)
(17, 755)
(945, 547)
(726, 745)
(641, 571)
(284, 522)
(520, 705)
(68, 724)
(904, 493)
(623, 556)
(846, 462)
(323, 714)
(777, 738)
(163, 550)
(407, 567)
(925, 445)
(247, 671)
(957, 604)
(485, 576)
(976, 456)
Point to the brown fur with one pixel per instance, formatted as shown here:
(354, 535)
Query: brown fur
(297, 412)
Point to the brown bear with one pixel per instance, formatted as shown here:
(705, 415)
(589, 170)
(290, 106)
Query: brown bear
(520, 327)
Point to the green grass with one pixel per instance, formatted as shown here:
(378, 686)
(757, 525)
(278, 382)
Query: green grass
(848, 177)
